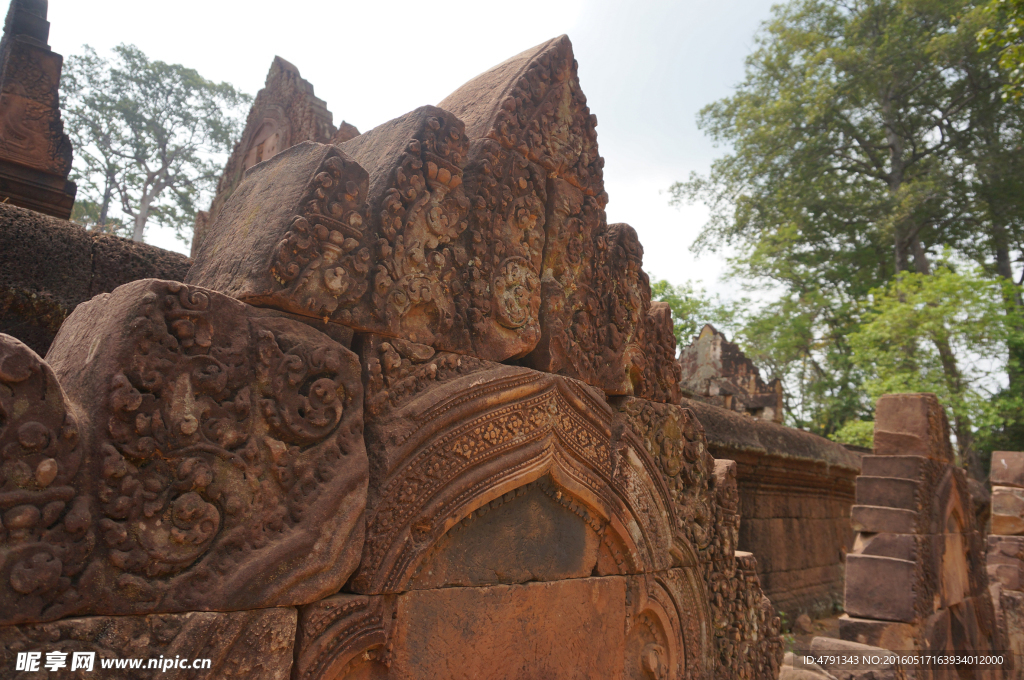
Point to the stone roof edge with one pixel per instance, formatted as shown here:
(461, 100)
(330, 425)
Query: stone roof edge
(728, 429)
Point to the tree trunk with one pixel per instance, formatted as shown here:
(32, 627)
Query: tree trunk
(921, 263)
(108, 192)
(901, 233)
(1012, 301)
(141, 217)
(961, 421)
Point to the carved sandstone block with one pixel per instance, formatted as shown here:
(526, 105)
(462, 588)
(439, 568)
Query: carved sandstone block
(292, 235)
(375, 237)
(249, 645)
(912, 425)
(284, 113)
(48, 534)
(597, 312)
(564, 629)
(898, 467)
(664, 635)
(675, 441)
(1007, 511)
(880, 588)
(35, 153)
(1008, 468)
(888, 492)
(873, 519)
(476, 227)
(1005, 561)
(534, 175)
(470, 459)
(417, 209)
(224, 466)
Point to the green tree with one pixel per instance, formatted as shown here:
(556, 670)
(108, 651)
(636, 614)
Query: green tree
(964, 311)
(147, 134)
(1008, 38)
(90, 215)
(865, 137)
(692, 307)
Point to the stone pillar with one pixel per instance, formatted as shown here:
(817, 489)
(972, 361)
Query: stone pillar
(1006, 551)
(35, 154)
(915, 578)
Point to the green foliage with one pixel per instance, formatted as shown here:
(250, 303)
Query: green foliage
(147, 135)
(803, 341)
(866, 138)
(88, 214)
(856, 432)
(909, 321)
(1008, 39)
(693, 307)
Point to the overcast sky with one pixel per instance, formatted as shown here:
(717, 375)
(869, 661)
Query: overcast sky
(646, 67)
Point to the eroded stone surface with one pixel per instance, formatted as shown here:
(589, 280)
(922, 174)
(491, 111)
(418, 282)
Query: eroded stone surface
(474, 227)
(49, 533)
(250, 645)
(448, 434)
(916, 577)
(716, 370)
(35, 153)
(48, 266)
(223, 466)
(284, 113)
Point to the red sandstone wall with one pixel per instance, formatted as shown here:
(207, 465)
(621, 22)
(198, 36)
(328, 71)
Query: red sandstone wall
(796, 491)
(48, 266)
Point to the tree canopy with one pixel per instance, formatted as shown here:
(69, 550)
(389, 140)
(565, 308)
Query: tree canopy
(1007, 36)
(867, 142)
(147, 137)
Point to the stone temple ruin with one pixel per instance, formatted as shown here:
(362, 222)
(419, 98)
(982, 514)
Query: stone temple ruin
(410, 412)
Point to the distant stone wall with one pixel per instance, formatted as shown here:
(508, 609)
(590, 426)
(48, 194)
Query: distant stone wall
(796, 490)
(48, 266)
